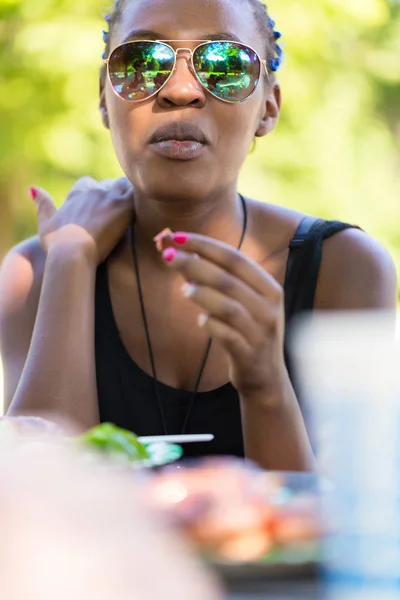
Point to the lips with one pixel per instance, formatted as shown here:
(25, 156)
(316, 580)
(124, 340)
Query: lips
(180, 132)
(179, 141)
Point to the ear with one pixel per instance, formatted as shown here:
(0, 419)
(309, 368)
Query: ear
(272, 108)
(103, 103)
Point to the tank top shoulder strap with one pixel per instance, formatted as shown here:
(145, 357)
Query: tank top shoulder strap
(305, 253)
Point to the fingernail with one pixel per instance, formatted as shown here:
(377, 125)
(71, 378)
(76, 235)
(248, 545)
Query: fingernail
(33, 193)
(180, 238)
(188, 289)
(169, 254)
(202, 320)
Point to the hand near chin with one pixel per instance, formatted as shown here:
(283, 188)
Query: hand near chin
(92, 219)
(243, 308)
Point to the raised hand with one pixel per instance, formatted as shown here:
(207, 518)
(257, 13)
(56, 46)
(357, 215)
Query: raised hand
(243, 307)
(93, 217)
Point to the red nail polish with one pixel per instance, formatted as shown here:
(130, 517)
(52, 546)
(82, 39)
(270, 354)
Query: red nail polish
(180, 238)
(33, 193)
(169, 254)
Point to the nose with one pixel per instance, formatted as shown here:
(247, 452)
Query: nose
(183, 87)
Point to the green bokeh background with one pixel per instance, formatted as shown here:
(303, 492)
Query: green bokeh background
(335, 153)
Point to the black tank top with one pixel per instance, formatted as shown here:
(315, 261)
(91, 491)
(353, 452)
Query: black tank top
(126, 393)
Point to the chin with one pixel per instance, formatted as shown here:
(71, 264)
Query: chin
(178, 191)
(178, 183)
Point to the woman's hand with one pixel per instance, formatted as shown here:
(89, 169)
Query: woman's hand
(243, 308)
(93, 217)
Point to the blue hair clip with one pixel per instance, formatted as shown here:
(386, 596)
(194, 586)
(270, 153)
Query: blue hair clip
(105, 36)
(276, 62)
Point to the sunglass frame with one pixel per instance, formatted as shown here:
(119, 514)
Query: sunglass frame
(262, 63)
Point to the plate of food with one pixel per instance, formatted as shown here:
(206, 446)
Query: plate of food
(244, 522)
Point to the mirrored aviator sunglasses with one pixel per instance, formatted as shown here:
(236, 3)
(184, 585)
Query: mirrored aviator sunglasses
(230, 71)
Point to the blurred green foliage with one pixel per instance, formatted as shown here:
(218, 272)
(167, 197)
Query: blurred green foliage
(335, 152)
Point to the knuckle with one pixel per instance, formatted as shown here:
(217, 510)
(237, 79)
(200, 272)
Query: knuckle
(106, 184)
(122, 184)
(271, 321)
(231, 311)
(86, 181)
(82, 185)
(120, 193)
(225, 284)
(236, 343)
(232, 259)
(189, 263)
(186, 266)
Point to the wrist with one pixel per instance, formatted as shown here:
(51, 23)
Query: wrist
(72, 251)
(272, 396)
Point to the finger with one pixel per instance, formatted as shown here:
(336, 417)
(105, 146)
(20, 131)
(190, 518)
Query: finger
(123, 185)
(231, 340)
(123, 190)
(107, 183)
(44, 204)
(83, 184)
(225, 309)
(205, 273)
(226, 257)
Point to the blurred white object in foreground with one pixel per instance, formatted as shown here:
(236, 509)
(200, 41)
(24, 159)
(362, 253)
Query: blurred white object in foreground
(70, 530)
(1, 389)
(349, 373)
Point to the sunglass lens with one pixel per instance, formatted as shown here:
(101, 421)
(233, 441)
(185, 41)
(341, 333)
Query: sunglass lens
(139, 69)
(228, 70)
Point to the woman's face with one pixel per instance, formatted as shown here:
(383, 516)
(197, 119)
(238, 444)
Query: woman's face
(228, 129)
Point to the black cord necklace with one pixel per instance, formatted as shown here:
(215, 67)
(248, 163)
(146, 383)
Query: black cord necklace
(149, 345)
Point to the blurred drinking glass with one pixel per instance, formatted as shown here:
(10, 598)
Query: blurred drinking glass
(348, 367)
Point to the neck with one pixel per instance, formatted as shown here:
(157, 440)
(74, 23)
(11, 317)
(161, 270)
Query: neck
(219, 217)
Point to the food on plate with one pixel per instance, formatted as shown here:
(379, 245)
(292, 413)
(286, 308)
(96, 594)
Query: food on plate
(159, 239)
(236, 513)
(114, 442)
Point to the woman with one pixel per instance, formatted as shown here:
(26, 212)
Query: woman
(94, 321)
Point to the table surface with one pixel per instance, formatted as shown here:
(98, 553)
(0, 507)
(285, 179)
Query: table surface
(278, 591)
(303, 589)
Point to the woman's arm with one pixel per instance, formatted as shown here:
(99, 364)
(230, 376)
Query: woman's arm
(48, 352)
(51, 370)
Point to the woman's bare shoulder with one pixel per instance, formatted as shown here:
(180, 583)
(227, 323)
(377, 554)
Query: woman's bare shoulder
(357, 272)
(31, 250)
(273, 224)
(21, 276)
